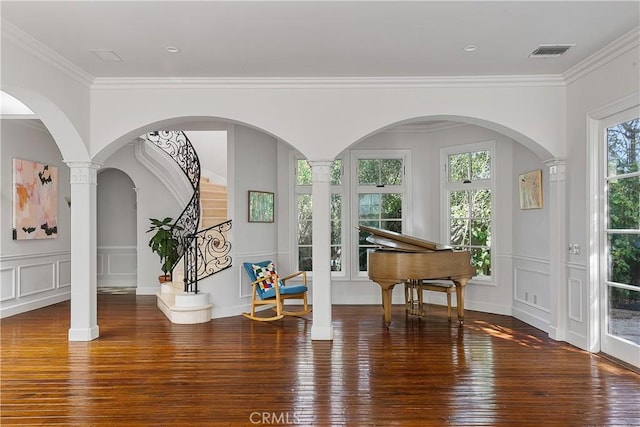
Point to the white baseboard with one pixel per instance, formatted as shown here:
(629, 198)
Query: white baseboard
(34, 304)
(531, 319)
(88, 334)
(147, 290)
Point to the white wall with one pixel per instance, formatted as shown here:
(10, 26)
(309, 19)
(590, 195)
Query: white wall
(532, 289)
(211, 147)
(313, 117)
(33, 273)
(152, 201)
(252, 165)
(606, 81)
(116, 234)
(56, 91)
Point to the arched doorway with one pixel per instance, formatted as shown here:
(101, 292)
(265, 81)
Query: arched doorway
(116, 232)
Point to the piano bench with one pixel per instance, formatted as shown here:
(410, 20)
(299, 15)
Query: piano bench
(447, 288)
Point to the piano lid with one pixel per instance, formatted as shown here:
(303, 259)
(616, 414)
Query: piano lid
(401, 242)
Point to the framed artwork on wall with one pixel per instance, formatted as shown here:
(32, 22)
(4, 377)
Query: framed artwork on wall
(35, 200)
(261, 206)
(530, 186)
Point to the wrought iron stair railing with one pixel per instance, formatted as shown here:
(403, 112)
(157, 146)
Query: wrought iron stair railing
(204, 252)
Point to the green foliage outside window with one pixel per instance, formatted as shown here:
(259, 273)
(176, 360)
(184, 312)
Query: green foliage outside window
(380, 172)
(304, 172)
(470, 210)
(623, 167)
(305, 223)
(378, 208)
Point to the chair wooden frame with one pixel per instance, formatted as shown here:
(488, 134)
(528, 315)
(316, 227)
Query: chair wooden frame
(278, 300)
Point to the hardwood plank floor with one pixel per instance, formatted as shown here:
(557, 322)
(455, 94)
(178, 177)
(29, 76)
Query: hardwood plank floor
(143, 370)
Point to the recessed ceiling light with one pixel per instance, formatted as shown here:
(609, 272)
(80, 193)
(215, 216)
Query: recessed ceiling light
(107, 55)
(173, 49)
(470, 48)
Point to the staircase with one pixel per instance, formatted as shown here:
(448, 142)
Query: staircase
(201, 230)
(213, 202)
(183, 307)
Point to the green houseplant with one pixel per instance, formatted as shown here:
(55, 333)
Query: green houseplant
(165, 245)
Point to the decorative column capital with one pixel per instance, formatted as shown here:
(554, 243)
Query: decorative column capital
(83, 172)
(557, 168)
(320, 170)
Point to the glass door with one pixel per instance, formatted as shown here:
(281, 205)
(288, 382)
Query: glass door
(620, 255)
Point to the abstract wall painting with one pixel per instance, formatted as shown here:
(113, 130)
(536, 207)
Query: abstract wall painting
(35, 200)
(530, 186)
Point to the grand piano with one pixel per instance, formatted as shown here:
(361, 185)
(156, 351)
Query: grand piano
(401, 258)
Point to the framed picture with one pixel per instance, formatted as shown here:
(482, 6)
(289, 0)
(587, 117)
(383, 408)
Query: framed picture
(530, 185)
(35, 200)
(261, 206)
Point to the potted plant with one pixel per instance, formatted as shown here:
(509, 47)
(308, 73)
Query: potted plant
(165, 245)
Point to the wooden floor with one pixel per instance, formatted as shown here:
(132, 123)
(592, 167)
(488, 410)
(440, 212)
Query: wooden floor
(143, 370)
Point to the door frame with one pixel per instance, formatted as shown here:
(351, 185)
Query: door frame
(596, 126)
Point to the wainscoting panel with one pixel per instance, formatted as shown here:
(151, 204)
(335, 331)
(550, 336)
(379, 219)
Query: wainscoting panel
(122, 265)
(117, 266)
(64, 273)
(7, 284)
(527, 289)
(531, 291)
(33, 280)
(575, 300)
(99, 264)
(578, 303)
(36, 278)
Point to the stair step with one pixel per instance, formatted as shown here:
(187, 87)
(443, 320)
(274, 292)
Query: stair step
(212, 220)
(204, 200)
(214, 205)
(212, 187)
(206, 194)
(214, 212)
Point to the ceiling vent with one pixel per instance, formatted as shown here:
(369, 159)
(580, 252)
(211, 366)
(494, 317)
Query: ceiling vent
(106, 55)
(550, 50)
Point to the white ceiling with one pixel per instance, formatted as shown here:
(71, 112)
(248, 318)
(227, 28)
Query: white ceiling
(321, 38)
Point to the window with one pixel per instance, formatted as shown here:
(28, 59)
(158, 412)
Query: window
(304, 236)
(621, 238)
(377, 199)
(380, 196)
(468, 180)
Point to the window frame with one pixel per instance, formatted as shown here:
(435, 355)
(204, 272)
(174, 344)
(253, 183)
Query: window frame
(307, 189)
(404, 189)
(446, 187)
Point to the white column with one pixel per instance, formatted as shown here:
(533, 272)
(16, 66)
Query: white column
(322, 328)
(84, 311)
(557, 202)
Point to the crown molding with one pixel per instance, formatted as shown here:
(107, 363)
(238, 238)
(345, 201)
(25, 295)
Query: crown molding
(326, 82)
(41, 51)
(629, 41)
(426, 127)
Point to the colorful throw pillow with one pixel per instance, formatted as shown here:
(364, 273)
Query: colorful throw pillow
(265, 271)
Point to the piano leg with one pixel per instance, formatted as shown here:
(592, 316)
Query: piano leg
(387, 288)
(460, 285)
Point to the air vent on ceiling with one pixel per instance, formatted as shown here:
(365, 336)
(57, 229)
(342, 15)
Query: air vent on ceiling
(550, 50)
(106, 55)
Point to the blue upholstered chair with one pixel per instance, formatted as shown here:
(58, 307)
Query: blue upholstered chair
(268, 288)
